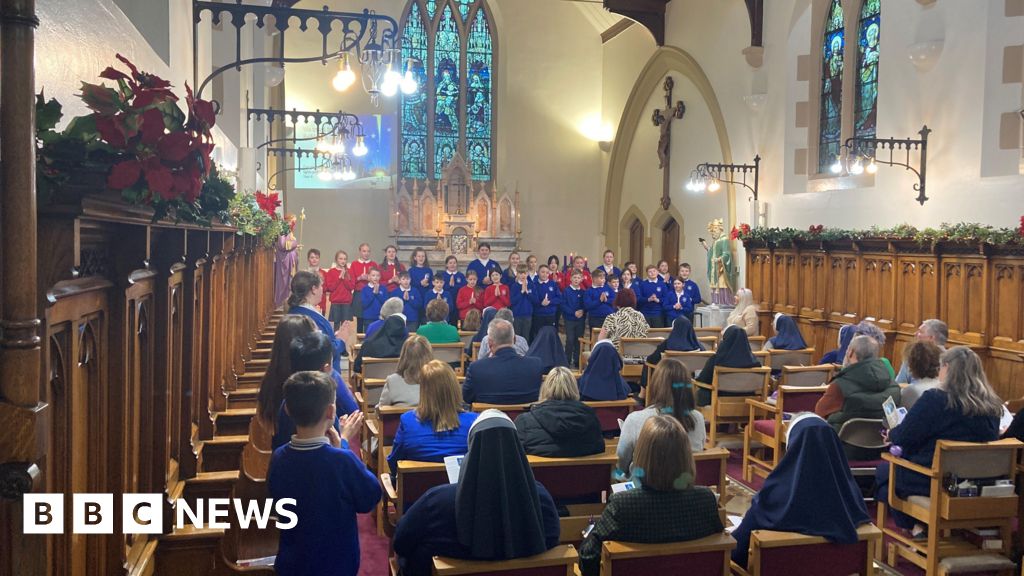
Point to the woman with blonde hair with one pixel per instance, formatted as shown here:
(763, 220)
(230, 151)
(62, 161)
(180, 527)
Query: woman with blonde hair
(745, 313)
(559, 425)
(402, 388)
(664, 506)
(670, 391)
(438, 427)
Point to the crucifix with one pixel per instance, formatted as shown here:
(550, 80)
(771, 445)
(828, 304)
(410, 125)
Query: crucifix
(663, 120)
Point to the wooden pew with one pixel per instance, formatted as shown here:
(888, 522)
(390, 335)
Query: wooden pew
(706, 556)
(559, 561)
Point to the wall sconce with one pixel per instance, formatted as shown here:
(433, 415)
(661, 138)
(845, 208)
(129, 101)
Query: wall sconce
(601, 132)
(863, 150)
(708, 176)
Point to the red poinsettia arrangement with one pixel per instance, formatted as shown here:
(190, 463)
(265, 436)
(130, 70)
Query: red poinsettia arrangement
(816, 229)
(737, 231)
(165, 154)
(268, 203)
(1021, 229)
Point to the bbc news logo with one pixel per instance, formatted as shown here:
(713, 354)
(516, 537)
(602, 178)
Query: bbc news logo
(144, 513)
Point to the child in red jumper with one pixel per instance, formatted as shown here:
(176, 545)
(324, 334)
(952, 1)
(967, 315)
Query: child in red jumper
(497, 294)
(467, 298)
(340, 283)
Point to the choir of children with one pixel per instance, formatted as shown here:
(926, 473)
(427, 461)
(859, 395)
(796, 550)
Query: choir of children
(545, 295)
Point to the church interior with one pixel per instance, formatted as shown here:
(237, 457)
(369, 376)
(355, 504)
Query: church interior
(591, 287)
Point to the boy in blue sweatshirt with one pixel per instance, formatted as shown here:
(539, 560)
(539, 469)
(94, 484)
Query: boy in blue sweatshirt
(599, 300)
(372, 296)
(650, 294)
(546, 298)
(522, 308)
(677, 302)
(573, 313)
(328, 483)
(691, 289)
(412, 300)
(438, 292)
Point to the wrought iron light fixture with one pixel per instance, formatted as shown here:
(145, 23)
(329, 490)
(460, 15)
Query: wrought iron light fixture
(710, 177)
(858, 156)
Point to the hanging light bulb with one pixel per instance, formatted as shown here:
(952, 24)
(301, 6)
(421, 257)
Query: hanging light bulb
(360, 148)
(392, 79)
(714, 186)
(339, 147)
(337, 175)
(349, 174)
(273, 74)
(872, 167)
(409, 84)
(345, 77)
(857, 167)
(837, 166)
(323, 175)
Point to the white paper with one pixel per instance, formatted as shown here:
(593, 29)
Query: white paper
(452, 465)
(622, 486)
(733, 522)
(893, 415)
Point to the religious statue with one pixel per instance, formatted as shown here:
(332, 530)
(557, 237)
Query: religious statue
(286, 261)
(664, 139)
(721, 272)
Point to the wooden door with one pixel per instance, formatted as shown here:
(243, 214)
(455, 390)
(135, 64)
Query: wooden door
(670, 245)
(636, 244)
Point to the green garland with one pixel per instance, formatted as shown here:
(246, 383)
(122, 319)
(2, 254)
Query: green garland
(963, 232)
(246, 215)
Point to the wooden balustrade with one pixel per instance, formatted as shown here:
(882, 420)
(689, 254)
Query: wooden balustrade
(978, 290)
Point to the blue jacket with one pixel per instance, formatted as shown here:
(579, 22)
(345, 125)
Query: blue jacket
(644, 290)
(549, 289)
(572, 300)
(482, 271)
(344, 404)
(593, 304)
(431, 295)
(417, 274)
(693, 291)
(460, 281)
(504, 378)
(522, 303)
(372, 302)
(416, 440)
(325, 326)
(669, 301)
(508, 278)
(412, 305)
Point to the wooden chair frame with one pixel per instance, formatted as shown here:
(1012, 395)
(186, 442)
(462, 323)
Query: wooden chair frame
(562, 555)
(365, 384)
(947, 512)
(763, 410)
(458, 351)
(729, 409)
(757, 343)
(722, 455)
(628, 347)
(777, 359)
(764, 539)
(612, 550)
(512, 410)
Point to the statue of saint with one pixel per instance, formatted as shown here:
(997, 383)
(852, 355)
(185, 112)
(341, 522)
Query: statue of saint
(721, 272)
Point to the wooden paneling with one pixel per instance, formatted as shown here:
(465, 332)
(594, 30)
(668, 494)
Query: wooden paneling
(897, 285)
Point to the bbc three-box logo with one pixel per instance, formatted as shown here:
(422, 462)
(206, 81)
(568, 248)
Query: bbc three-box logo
(144, 513)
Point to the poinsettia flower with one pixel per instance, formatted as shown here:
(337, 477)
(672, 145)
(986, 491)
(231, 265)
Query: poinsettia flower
(188, 184)
(268, 202)
(199, 109)
(124, 174)
(110, 131)
(174, 147)
(152, 128)
(112, 73)
(159, 178)
(99, 98)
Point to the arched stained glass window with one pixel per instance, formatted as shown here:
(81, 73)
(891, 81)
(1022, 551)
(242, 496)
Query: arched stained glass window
(414, 107)
(452, 42)
(830, 116)
(866, 99)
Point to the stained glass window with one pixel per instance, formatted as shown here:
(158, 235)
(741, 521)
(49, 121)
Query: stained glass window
(831, 119)
(866, 98)
(478, 98)
(414, 107)
(447, 87)
(451, 43)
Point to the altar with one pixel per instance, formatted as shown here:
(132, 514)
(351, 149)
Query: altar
(452, 216)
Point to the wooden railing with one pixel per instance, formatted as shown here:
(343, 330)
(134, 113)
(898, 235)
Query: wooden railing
(978, 290)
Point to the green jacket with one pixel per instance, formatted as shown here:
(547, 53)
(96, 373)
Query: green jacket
(439, 333)
(865, 386)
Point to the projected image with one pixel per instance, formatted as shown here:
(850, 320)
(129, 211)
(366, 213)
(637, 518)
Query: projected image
(373, 169)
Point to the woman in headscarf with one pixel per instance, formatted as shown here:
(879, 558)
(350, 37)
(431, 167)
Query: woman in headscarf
(481, 333)
(810, 492)
(385, 343)
(732, 352)
(602, 380)
(497, 511)
(745, 313)
(665, 506)
(548, 348)
(787, 335)
(682, 338)
(846, 334)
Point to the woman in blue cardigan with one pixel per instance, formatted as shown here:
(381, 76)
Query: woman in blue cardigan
(307, 290)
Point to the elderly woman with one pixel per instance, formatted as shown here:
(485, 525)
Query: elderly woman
(745, 313)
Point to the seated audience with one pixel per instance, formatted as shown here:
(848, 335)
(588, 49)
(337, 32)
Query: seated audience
(931, 330)
(922, 360)
(665, 506)
(745, 313)
(271, 393)
(437, 330)
(787, 335)
(602, 379)
(504, 377)
(670, 392)
(312, 352)
(626, 321)
(328, 483)
(732, 352)
(858, 391)
(547, 347)
(438, 427)
(559, 425)
(682, 338)
(481, 333)
(521, 346)
(306, 292)
(385, 343)
(846, 334)
(866, 328)
(392, 307)
(810, 492)
(402, 388)
(963, 407)
(471, 323)
(497, 510)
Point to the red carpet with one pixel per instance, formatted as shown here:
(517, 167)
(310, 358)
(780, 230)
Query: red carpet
(374, 548)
